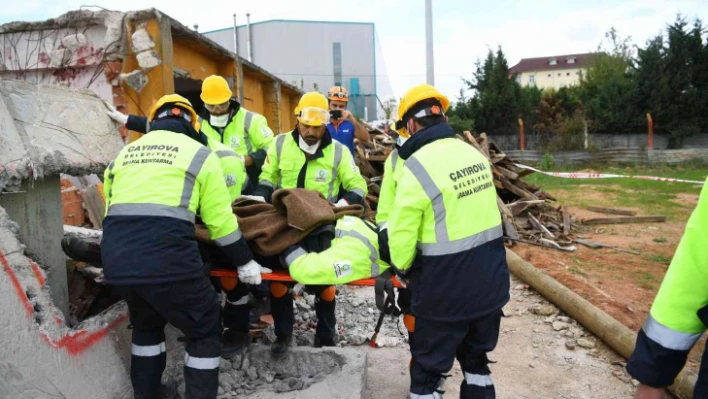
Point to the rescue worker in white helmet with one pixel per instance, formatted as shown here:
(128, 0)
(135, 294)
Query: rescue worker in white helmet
(446, 240)
(154, 189)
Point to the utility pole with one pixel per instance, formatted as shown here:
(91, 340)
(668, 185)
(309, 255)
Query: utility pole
(429, 64)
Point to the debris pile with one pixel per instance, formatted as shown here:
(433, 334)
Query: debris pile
(529, 214)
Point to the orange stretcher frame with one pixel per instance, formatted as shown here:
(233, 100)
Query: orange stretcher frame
(284, 276)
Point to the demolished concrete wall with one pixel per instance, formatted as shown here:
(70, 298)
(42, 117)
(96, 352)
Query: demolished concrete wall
(46, 131)
(40, 356)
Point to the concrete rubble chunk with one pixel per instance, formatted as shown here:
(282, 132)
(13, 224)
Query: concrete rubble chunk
(60, 57)
(141, 41)
(74, 41)
(137, 80)
(559, 325)
(148, 60)
(49, 130)
(586, 343)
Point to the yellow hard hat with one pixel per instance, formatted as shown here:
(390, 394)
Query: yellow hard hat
(215, 90)
(182, 107)
(413, 97)
(313, 109)
(338, 93)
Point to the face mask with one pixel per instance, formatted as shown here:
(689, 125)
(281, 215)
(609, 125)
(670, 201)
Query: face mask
(310, 149)
(401, 140)
(219, 120)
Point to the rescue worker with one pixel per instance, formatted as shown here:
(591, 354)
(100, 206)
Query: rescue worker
(343, 126)
(679, 315)
(446, 241)
(349, 253)
(223, 120)
(308, 158)
(386, 197)
(154, 189)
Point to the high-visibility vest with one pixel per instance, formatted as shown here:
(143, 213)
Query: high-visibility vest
(246, 133)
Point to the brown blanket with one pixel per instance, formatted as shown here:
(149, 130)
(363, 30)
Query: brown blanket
(295, 213)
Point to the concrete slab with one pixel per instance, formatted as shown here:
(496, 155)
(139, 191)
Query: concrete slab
(48, 130)
(346, 381)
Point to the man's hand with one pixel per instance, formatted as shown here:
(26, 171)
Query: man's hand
(250, 273)
(647, 392)
(346, 115)
(341, 203)
(116, 115)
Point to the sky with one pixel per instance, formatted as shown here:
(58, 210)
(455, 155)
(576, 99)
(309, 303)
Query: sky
(463, 30)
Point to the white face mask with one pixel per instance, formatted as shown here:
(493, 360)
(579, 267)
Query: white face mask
(310, 149)
(219, 120)
(401, 140)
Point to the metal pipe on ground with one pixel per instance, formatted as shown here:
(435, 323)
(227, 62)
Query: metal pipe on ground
(610, 331)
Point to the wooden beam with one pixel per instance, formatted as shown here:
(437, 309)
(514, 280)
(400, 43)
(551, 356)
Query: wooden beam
(625, 220)
(611, 211)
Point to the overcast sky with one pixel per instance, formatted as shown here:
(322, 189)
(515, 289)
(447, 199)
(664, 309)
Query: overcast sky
(463, 29)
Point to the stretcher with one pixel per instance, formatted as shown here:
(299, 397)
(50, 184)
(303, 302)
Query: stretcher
(284, 276)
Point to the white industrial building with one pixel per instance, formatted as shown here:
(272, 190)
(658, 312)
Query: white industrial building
(318, 54)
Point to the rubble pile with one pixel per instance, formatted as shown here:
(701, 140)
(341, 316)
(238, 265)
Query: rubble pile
(529, 214)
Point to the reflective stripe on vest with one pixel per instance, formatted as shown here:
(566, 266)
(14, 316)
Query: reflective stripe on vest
(394, 159)
(246, 129)
(201, 363)
(335, 167)
(668, 338)
(191, 175)
(373, 257)
(279, 142)
(229, 238)
(290, 258)
(226, 153)
(443, 245)
(151, 210)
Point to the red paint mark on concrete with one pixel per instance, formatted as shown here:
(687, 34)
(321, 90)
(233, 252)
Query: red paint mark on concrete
(16, 285)
(75, 342)
(37, 273)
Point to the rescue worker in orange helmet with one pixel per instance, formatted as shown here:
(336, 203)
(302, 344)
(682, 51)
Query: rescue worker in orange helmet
(342, 125)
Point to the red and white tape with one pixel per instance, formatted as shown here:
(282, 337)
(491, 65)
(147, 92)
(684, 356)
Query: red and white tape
(585, 175)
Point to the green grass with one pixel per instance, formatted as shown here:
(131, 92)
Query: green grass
(661, 240)
(647, 280)
(659, 259)
(650, 197)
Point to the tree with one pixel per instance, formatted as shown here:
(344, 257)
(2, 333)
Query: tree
(315, 86)
(495, 104)
(606, 89)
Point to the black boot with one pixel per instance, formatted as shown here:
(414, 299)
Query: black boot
(281, 346)
(233, 343)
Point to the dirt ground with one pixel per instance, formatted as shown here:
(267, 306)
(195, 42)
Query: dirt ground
(622, 284)
(533, 361)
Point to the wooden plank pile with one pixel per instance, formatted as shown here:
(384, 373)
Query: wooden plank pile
(529, 214)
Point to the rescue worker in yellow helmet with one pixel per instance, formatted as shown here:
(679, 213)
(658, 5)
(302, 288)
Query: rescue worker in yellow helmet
(154, 189)
(223, 120)
(308, 158)
(679, 315)
(446, 240)
(343, 126)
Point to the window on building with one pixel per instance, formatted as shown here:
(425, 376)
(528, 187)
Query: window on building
(567, 74)
(553, 62)
(549, 75)
(532, 80)
(559, 74)
(571, 60)
(337, 62)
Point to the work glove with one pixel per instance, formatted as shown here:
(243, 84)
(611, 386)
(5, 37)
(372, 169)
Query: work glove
(116, 115)
(254, 198)
(250, 273)
(341, 203)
